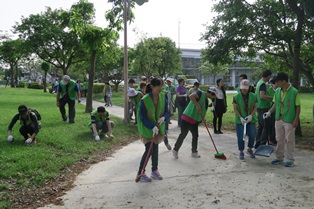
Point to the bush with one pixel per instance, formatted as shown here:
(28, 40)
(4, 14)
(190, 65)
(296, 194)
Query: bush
(98, 88)
(22, 85)
(306, 89)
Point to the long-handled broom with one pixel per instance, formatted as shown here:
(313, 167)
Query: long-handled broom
(218, 155)
(137, 179)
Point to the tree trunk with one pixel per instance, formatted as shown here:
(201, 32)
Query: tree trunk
(45, 82)
(89, 98)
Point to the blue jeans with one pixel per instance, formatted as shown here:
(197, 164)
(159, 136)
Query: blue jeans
(251, 131)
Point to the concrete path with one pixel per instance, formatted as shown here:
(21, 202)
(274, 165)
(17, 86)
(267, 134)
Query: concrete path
(188, 182)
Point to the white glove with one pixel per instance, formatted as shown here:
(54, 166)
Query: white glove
(212, 108)
(185, 95)
(161, 120)
(29, 140)
(155, 131)
(248, 118)
(10, 138)
(242, 120)
(266, 115)
(97, 138)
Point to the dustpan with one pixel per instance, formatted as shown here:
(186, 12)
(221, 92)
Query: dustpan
(264, 150)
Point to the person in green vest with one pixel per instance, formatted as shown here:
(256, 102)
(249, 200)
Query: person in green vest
(85, 87)
(30, 125)
(287, 108)
(264, 102)
(153, 112)
(192, 117)
(170, 96)
(271, 88)
(135, 97)
(100, 120)
(68, 92)
(245, 105)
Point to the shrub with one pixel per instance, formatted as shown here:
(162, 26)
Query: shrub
(306, 89)
(98, 88)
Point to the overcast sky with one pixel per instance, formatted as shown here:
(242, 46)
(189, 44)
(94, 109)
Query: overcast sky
(180, 20)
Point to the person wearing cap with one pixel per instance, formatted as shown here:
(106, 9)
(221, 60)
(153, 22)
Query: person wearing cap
(67, 93)
(271, 89)
(135, 97)
(192, 117)
(131, 83)
(152, 114)
(287, 108)
(245, 105)
(108, 94)
(100, 120)
(29, 125)
(219, 106)
(244, 76)
(264, 102)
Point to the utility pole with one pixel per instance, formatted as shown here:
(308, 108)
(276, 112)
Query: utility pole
(179, 33)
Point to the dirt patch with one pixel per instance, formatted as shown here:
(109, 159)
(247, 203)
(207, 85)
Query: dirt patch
(51, 191)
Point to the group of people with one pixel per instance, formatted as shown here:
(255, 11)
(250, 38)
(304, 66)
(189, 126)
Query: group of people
(152, 104)
(68, 92)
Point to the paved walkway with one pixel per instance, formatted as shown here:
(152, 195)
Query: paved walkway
(188, 182)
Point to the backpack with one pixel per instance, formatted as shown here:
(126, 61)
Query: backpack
(36, 113)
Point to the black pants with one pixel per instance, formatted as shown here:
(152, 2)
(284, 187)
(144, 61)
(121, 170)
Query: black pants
(185, 128)
(220, 109)
(27, 131)
(71, 105)
(263, 128)
(153, 153)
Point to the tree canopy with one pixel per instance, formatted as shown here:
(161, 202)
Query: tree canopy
(281, 29)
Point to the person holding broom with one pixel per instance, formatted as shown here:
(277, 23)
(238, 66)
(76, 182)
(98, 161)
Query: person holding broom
(153, 112)
(245, 106)
(192, 117)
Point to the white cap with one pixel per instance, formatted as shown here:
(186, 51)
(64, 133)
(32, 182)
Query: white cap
(212, 89)
(132, 92)
(245, 84)
(65, 79)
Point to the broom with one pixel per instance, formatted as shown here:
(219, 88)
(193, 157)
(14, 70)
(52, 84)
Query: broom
(218, 155)
(137, 179)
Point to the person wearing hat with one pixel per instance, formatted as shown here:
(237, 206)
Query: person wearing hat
(287, 108)
(135, 97)
(245, 105)
(67, 93)
(99, 120)
(29, 125)
(108, 94)
(192, 117)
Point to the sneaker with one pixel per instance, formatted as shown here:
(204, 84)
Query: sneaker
(216, 132)
(241, 156)
(195, 154)
(156, 175)
(250, 152)
(289, 164)
(175, 154)
(168, 146)
(144, 178)
(220, 132)
(276, 162)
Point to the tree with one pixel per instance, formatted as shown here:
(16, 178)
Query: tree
(157, 56)
(48, 35)
(45, 67)
(279, 28)
(213, 70)
(11, 53)
(93, 38)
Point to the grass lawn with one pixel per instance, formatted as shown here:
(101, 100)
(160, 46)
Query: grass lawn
(306, 117)
(59, 144)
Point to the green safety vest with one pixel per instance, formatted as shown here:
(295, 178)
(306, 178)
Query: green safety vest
(270, 91)
(289, 109)
(136, 100)
(262, 103)
(153, 115)
(85, 83)
(97, 118)
(242, 109)
(191, 110)
(71, 90)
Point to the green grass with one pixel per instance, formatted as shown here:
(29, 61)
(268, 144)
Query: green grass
(58, 145)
